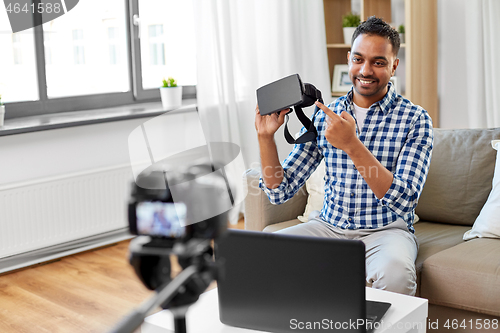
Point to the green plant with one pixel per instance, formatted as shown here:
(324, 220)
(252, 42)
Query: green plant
(350, 20)
(401, 29)
(1, 100)
(169, 83)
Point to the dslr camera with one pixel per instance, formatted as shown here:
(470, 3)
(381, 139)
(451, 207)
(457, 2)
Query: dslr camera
(175, 213)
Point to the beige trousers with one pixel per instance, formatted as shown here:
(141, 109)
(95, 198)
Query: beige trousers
(390, 252)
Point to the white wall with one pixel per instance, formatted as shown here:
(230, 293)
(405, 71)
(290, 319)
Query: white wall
(50, 153)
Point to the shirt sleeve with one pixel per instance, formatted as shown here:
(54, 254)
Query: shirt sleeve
(298, 166)
(412, 168)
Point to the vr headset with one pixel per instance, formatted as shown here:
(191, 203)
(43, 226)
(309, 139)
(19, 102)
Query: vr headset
(286, 93)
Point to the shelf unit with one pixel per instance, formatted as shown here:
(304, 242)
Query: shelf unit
(420, 47)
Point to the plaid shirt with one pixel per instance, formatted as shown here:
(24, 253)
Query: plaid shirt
(398, 133)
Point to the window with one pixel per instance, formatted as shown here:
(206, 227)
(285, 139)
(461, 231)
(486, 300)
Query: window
(78, 47)
(17, 49)
(156, 45)
(18, 76)
(167, 42)
(113, 45)
(78, 43)
(93, 56)
(47, 46)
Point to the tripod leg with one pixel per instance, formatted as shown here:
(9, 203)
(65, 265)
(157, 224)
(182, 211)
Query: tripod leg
(180, 324)
(180, 318)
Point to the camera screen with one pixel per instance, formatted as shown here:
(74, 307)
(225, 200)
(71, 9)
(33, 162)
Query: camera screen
(163, 219)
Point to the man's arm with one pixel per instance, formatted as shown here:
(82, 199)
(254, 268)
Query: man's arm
(282, 181)
(375, 174)
(341, 133)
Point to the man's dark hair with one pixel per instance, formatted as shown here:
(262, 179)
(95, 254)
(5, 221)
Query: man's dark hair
(376, 26)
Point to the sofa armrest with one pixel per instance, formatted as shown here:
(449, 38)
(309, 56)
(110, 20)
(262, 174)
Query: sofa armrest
(259, 212)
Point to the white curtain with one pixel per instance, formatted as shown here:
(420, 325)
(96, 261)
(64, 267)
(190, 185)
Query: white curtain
(244, 44)
(483, 66)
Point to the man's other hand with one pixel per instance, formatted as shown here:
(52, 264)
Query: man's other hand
(267, 125)
(340, 130)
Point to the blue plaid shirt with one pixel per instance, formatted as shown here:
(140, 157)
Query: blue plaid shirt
(398, 133)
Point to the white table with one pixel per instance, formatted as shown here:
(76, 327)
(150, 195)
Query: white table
(407, 314)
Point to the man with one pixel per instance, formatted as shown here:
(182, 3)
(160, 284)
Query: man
(377, 150)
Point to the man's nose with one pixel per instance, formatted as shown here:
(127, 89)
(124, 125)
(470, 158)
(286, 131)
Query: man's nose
(366, 69)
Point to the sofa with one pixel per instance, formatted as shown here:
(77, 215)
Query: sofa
(460, 278)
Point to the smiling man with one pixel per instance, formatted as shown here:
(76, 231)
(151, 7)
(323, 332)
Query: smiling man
(377, 148)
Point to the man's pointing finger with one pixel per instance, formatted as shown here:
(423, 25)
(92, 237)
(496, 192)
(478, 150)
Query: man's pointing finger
(327, 111)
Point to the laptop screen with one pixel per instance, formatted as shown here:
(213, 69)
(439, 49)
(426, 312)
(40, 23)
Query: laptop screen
(287, 283)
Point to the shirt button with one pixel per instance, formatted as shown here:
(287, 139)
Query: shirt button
(352, 194)
(349, 219)
(354, 167)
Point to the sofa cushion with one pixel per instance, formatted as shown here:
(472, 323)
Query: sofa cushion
(436, 237)
(259, 212)
(465, 276)
(460, 175)
(433, 238)
(281, 225)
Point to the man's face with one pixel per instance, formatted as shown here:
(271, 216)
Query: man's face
(371, 65)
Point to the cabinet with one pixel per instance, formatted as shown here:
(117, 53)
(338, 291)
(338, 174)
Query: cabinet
(417, 71)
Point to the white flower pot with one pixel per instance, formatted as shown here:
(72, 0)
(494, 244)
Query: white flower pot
(2, 114)
(348, 32)
(171, 97)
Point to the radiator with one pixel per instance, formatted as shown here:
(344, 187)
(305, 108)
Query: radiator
(52, 211)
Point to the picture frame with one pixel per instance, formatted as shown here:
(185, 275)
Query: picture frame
(341, 81)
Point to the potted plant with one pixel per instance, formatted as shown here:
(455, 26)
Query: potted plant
(2, 111)
(171, 94)
(349, 23)
(401, 30)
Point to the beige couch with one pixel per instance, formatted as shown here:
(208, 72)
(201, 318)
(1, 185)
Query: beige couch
(461, 279)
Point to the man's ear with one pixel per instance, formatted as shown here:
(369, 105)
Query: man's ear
(348, 56)
(395, 65)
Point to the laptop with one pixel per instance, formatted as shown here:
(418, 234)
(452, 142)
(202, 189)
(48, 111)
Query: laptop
(287, 283)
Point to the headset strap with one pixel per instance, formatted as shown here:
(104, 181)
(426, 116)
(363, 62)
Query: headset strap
(311, 132)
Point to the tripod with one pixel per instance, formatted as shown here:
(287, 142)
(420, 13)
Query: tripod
(199, 270)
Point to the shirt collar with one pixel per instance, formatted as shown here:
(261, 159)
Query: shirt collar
(384, 104)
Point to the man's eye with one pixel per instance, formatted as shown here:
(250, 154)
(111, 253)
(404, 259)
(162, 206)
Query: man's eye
(356, 59)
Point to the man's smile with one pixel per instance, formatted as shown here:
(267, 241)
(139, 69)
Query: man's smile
(366, 82)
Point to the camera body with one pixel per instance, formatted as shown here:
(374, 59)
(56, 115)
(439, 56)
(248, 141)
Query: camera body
(164, 211)
(167, 205)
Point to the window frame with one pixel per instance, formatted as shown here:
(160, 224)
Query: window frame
(136, 94)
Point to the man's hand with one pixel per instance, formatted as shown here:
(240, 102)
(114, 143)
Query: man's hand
(340, 130)
(267, 125)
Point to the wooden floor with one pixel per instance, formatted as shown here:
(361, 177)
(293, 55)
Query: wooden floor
(87, 292)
